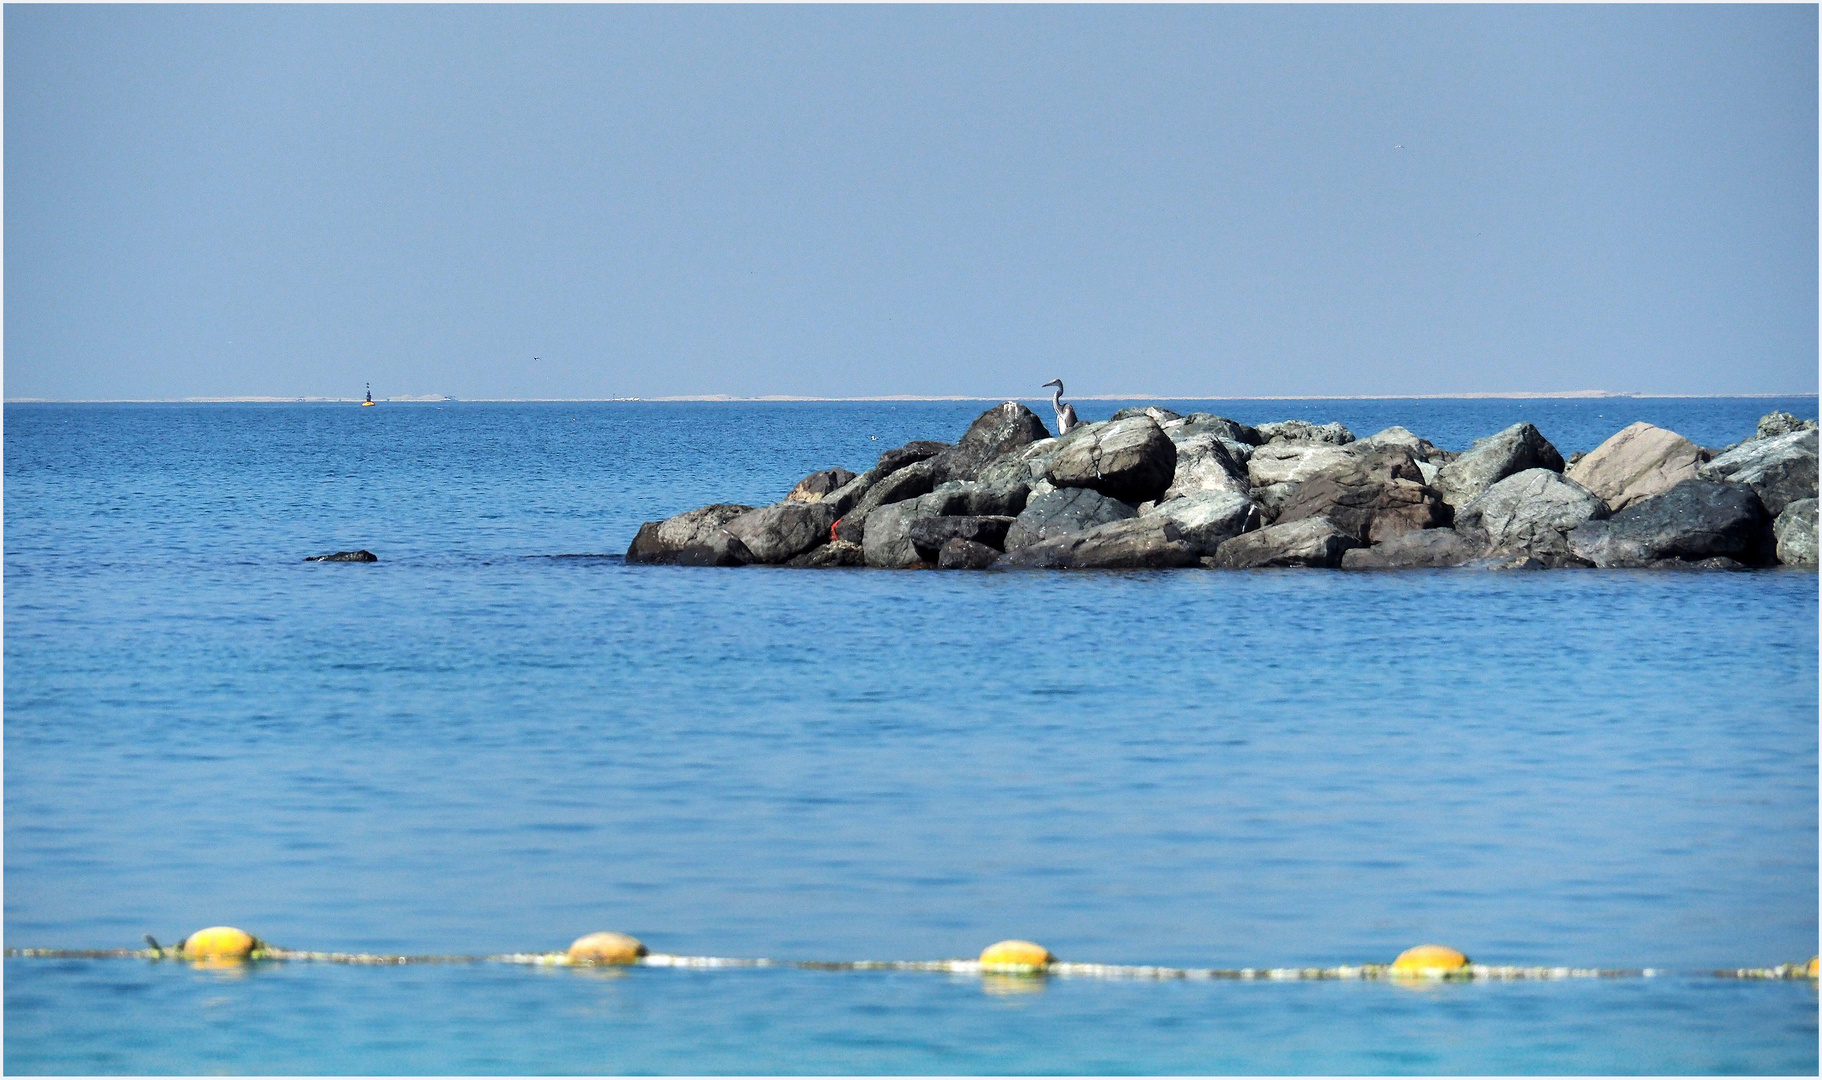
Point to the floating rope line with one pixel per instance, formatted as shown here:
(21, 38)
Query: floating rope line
(1058, 969)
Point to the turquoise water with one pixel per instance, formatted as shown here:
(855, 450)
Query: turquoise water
(474, 746)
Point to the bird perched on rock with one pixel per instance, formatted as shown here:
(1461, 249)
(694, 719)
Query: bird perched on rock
(1065, 413)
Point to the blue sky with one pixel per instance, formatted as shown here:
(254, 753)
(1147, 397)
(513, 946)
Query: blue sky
(856, 201)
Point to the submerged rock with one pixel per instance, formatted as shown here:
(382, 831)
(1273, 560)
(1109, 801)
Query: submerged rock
(362, 555)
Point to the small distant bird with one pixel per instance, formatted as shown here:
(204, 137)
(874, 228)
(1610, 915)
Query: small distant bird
(1065, 413)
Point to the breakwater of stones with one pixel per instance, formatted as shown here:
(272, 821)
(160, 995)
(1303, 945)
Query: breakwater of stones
(1152, 489)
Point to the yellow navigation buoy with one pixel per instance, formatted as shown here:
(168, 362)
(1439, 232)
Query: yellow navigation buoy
(1812, 967)
(219, 943)
(1015, 955)
(606, 948)
(1429, 960)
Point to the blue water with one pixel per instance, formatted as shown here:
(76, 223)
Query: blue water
(473, 746)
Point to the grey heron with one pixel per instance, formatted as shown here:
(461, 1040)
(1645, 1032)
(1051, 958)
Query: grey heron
(1065, 413)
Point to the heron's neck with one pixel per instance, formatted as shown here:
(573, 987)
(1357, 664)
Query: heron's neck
(1056, 399)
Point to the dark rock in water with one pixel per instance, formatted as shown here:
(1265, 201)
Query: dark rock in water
(1413, 550)
(1308, 542)
(1370, 511)
(1695, 520)
(908, 482)
(909, 454)
(362, 555)
(813, 487)
(834, 554)
(929, 534)
(1161, 415)
(697, 538)
(1133, 544)
(1531, 513)
(1494, 458)
(1207, 518)
(1795, 531)
(959, 554)
(1000, 430)
(1064, 511)
(1773, 424)
(1130, 460)
(1780, 469)
(782, 531)
(1304, 431)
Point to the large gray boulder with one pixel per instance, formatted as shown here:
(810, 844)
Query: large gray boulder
(1531, 513)
(1205, 519)
(1402, 438)
(909, 454)
(1637, 463)
(1426, 548)
(1064, 512)
(1202, 423)
(1001, 430)
(1205, 464)
(1781, 469)
(908, 482)
(1157, 413)
(1285, 462)
(966, 555)
(1697, 519)
(813, 487)
(1773, 424)
(1304, 431)
(1371, 510)
(782, 531)
(887, 543)
(1494, 458)
(1131, 460)
(979, 497)
(1134, 544)
(696, 538)
(1795, 531)
(1308, 542)
(929, 534)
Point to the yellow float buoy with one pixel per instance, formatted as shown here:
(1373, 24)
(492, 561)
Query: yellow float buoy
(606, 948)
(1812, 967)
(219, 943)
(1015, 955)
(1429, 960)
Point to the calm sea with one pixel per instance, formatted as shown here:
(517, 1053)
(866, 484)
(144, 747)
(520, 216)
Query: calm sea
(499, 738)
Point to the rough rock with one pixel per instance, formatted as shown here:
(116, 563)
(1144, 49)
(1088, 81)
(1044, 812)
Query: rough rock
(1400, 438)
(1271, 499)
(908, 482)
(1206, 518)
(887, 544)
(1304, 431)
(929, 534)
(696, 538)
(978, 497)
(1205, 464)
(363, 555)
(1773, 424)
(1131, 460)
(1063, 512)
(1136, 544)
(1781, 469)
(1694, 520)
(1494, 458)
(1795, 531)
(1369, 511)
(833, 554)
(909, 454)
(1640, 461)
(1292, 462)
(782, 531)
(1161, 415)
(1413, 550)
(1531, 513)
(813, 487)
(999, 431)
(959, 554)
(1202, 423)
(1309, 542)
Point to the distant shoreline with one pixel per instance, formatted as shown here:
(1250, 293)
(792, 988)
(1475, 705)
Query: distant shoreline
(427, 399)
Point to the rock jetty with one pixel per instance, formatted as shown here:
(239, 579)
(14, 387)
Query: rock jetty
(1152, 489)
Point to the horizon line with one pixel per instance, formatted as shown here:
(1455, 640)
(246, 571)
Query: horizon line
(434, 399)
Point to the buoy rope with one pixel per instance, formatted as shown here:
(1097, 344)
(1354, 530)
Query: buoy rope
(1061, 969)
